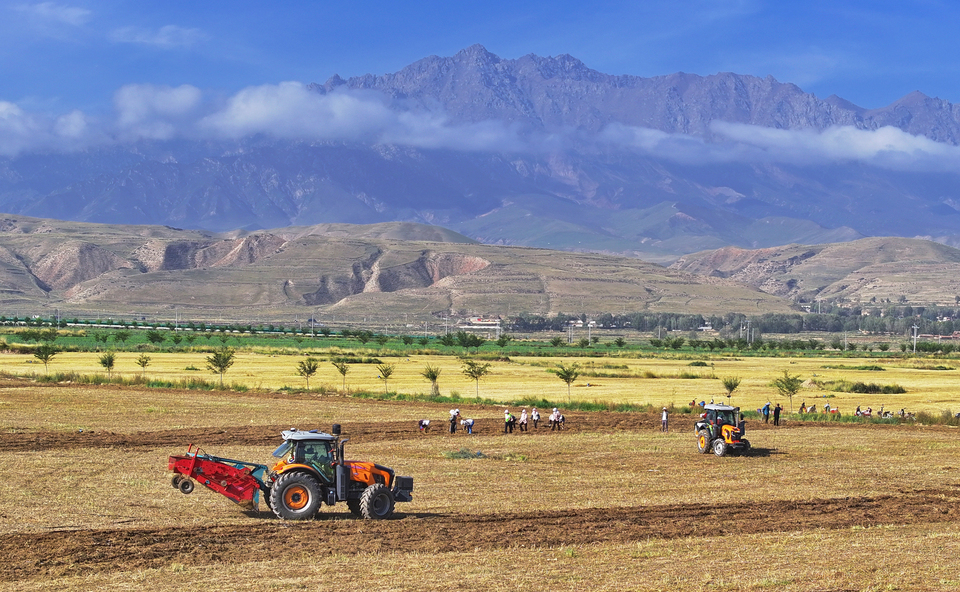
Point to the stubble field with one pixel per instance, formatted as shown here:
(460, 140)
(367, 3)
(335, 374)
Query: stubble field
(611, 503)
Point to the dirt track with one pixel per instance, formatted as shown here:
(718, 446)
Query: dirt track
(67, 553)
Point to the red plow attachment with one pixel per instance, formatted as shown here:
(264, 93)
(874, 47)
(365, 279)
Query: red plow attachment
(238, 480)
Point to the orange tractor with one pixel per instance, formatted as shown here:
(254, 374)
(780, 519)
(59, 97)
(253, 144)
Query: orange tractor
(311, 470)
(719, 430)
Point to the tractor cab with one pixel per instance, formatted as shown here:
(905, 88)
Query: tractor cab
(313, 448)
(721, 415)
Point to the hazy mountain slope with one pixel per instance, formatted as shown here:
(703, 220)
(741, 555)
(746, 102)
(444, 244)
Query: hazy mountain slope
(861, 270)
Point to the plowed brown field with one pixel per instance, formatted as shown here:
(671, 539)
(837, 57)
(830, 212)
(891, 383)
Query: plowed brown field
(703, 546)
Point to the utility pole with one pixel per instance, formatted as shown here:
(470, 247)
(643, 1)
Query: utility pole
(915, 329)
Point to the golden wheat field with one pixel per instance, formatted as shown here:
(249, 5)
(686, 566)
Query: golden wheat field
(610, 503)
(931, 385)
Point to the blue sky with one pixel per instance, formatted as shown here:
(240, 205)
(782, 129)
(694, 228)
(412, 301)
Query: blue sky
(62, 55)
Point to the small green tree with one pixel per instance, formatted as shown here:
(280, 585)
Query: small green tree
(45, 353)
(568, 374)
(143, 361)
(307, 368)
(220, 361)
(788, 386)
(107, 360)
(342, 368)
(583, 343)
(432, 373)
(503, 340)
(121, 336)
(155, 337)
(730, 383)
(385, 370)
(620, 341)
(476, 371)
(556, 341)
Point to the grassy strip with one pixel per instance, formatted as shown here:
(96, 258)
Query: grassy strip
(99, 379)
(845, 386)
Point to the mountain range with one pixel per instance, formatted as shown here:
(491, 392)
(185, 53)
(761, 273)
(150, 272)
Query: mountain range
(535, 151)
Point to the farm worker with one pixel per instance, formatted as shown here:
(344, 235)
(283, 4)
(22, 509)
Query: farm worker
(776, 414)
(555, 420)
(663, 420)
(742, 426)
(454, 417)
(468, 424)
(765, 411)
(424, 425)
(523, 420)
(507, 426)
(535, 416)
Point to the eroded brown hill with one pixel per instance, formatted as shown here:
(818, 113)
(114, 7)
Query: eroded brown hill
(354, 271)
(881, 268)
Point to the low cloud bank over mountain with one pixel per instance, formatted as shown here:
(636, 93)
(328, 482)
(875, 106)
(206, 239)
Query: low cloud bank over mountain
(297, 111)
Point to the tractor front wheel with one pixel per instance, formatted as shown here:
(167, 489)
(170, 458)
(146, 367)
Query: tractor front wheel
(703, 441)
(719, 447)
(295, 496)
(376, 502)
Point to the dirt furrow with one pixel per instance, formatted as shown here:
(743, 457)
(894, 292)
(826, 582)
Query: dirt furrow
(68, 553)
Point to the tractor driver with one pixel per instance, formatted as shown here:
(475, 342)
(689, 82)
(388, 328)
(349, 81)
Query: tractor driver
(319, 458)
(721, 420)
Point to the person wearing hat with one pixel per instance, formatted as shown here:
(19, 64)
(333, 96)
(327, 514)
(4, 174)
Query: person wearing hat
(508, 421)
(663, 420)
(454, 418)
(535, 416)
(523, 419)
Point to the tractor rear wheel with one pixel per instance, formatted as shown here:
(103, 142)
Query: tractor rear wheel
(719, 447)
(703, 441)
(295, 496)
(376, 502)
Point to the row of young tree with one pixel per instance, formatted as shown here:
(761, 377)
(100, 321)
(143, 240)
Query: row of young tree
(898, 320)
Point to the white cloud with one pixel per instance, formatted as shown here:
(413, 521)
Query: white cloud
(59, 13)
(21, 131)
(886, 147)
(156, 112)
(290, 110)
(169, 36)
